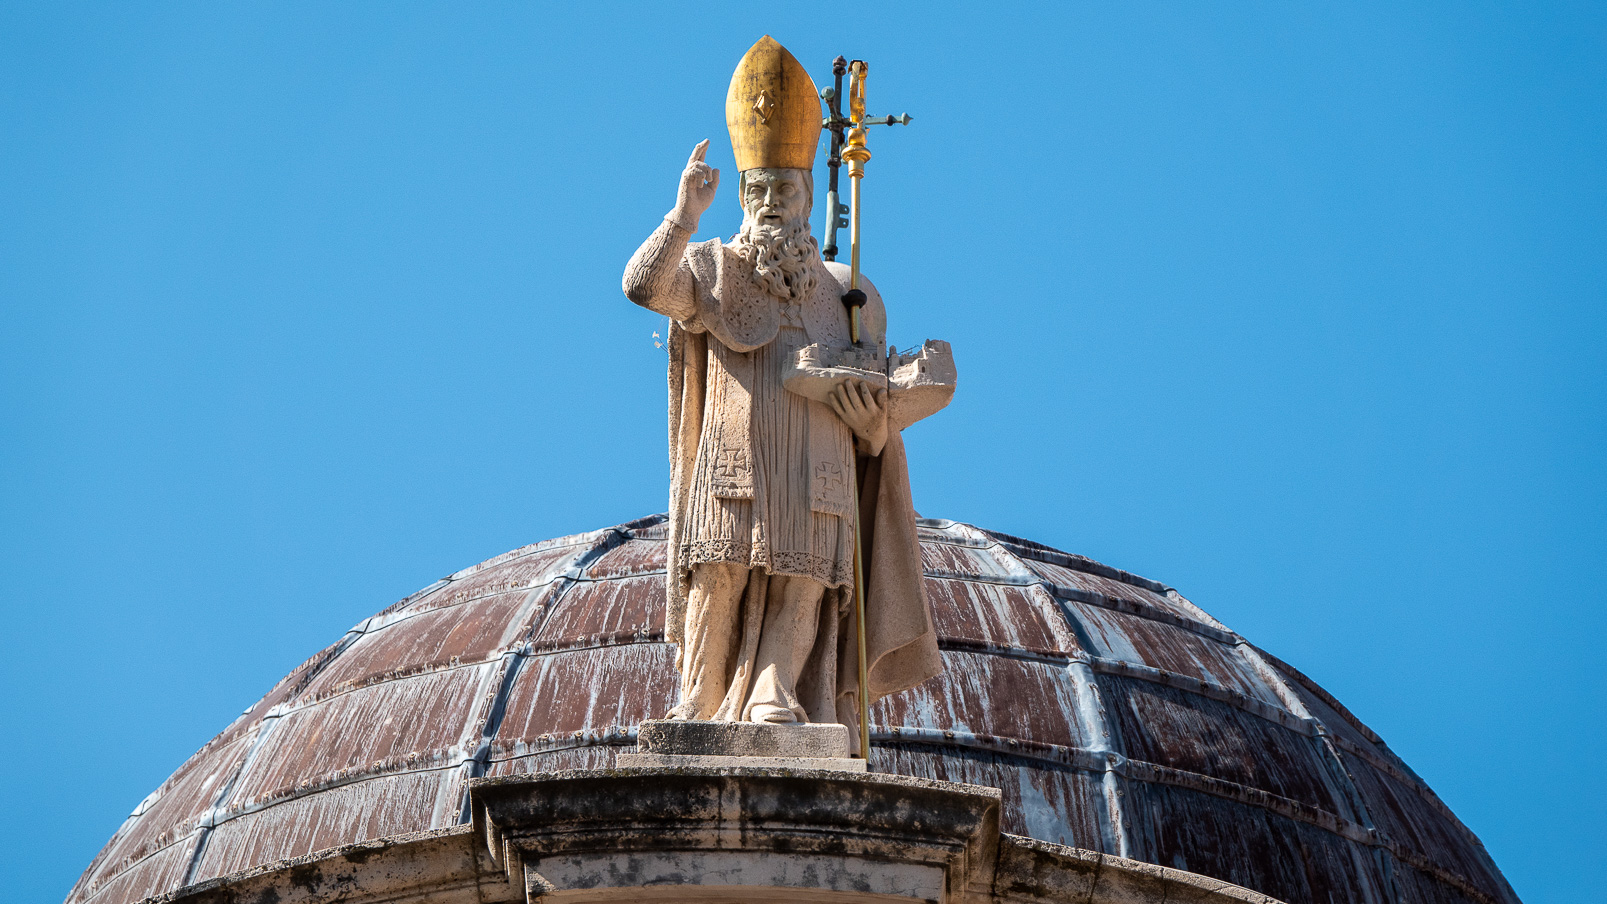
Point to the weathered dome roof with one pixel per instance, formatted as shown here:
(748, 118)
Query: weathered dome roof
(1113, 713)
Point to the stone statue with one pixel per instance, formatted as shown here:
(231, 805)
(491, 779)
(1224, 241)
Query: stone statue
(761, 527)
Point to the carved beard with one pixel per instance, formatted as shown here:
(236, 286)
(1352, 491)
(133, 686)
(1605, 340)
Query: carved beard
(783, 257)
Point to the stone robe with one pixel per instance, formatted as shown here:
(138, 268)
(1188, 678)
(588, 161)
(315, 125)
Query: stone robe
(764, 478)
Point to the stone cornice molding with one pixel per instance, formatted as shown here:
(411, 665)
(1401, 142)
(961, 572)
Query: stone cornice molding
(681, 833)
(727, 835)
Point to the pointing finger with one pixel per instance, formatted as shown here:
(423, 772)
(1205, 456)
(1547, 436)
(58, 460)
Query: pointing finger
(698, 152)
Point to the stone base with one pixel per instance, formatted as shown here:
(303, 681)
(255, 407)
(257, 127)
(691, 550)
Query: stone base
(808, 740)
(662, 760)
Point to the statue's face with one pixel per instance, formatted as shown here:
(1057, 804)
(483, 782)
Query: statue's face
(772, 196)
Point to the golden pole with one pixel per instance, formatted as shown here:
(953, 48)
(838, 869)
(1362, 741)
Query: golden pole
(859, 619)
(855, 153)
(853, 224)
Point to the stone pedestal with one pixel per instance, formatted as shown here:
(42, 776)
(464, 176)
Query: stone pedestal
(783, 836)
(729, 835)
(665, 742)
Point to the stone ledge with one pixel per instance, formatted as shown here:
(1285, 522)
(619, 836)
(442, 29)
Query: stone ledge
(672, 760)
(438, 866)
(1030, 871)
(745, 739)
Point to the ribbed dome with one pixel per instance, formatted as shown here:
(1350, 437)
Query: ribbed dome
(1113, 713)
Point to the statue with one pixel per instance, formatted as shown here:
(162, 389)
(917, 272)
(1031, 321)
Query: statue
(762, 505)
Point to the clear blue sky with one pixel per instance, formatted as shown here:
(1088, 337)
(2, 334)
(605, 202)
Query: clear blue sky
(1299, 310)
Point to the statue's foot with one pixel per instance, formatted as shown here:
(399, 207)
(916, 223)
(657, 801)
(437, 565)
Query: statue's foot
(769, 712)
(682, 712)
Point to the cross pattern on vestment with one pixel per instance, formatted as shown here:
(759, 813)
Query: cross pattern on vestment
(731, 464)
(828, 479)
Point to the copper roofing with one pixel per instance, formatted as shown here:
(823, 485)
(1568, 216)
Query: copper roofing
(1114, 714)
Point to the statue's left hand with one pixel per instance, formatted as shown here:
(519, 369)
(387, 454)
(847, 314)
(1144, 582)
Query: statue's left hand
(864, 410)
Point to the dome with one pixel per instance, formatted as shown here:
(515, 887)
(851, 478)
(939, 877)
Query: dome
(1113, 714)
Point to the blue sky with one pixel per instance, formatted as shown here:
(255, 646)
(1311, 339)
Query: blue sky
(1298, 309)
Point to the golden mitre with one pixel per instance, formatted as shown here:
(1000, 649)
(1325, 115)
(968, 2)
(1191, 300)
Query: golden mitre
(772, 110)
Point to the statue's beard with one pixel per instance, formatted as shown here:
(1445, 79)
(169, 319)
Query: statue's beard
(783, 257)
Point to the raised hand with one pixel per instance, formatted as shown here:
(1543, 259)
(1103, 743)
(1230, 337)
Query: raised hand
(698, 182)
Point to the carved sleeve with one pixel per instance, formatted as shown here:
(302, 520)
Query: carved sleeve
(657, 279)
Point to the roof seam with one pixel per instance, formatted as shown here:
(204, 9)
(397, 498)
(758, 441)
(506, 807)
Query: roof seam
(352, 778)
(1090, 706)
(1330, 756)
(291, 706)
(1288, 672)
(1122, 668)
(264, 728)
(314, 664)
(384, 678)
(1088, 597)
(1393, 767)
(525, 649)
(573, 540)
(1038, 552)
(392, 619)
(96, 887)
(573, 574)
(1423, 865)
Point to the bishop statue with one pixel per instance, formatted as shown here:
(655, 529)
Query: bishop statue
(763, 478)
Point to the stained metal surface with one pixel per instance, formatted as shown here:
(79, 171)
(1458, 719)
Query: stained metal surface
(1173, 728)
(1041, 800)
(1266, 850)
(387, 803)
(1113, 714)
(998, 616)
(157, 843)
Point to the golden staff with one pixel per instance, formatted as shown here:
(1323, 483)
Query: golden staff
(853, 151)
(856, 154)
